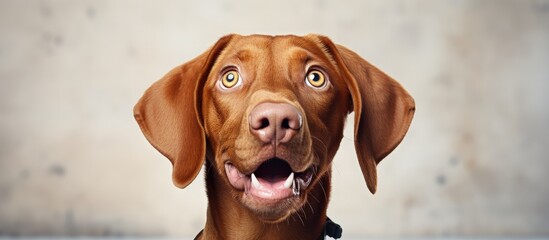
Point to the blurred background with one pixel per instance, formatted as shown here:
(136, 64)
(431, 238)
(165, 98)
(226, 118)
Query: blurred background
(475, 162)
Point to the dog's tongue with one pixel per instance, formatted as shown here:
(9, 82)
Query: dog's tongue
(279, 189)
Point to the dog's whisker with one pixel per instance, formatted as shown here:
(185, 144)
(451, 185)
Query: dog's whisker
(288, 220)
(323, 145)
(322, 187)
(301, 219)
(311, 207)
(304, 215)
(315, 198)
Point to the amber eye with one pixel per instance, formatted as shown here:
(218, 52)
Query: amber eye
(315, 79)
(230, 79)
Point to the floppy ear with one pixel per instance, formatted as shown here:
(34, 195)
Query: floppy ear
(168, 115)
(383, 109)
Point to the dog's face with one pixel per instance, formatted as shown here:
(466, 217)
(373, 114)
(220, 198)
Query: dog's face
(268, 113)
(273, 112)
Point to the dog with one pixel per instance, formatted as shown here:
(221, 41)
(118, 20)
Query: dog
(265, 116)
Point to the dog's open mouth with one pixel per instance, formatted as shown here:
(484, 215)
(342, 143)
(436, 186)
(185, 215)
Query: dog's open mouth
(272, 180)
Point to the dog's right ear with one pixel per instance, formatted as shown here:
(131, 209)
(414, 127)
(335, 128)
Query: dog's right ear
(168, 115)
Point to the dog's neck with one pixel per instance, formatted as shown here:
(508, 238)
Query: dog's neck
(228, 219)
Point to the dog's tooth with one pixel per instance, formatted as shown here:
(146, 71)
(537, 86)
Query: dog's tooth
(294, 188)
(289, 181)
(255, 182)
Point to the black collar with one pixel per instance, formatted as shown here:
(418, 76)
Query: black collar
(331, 229)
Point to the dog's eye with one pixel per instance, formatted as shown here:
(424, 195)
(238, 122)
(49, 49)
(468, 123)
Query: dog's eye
(230, 79)
(315, 79)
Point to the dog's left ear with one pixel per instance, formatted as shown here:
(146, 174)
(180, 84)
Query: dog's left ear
(383, 109)
(168, 115)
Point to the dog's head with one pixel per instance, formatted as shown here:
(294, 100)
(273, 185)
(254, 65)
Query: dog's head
(268, 115)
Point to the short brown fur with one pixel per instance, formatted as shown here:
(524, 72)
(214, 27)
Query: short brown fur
(193, 121)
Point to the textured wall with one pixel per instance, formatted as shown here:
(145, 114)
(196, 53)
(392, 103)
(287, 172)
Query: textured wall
(475, 162)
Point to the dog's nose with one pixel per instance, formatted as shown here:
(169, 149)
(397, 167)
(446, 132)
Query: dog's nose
(275, 122)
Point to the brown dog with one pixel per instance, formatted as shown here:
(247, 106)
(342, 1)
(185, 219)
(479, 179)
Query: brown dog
(267, 115)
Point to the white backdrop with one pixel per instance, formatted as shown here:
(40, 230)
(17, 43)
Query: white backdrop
(475, 162)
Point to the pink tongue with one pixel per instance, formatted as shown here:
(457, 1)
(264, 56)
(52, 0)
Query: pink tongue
(270, 190)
